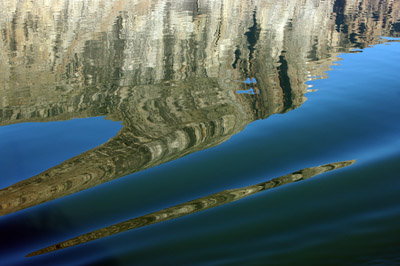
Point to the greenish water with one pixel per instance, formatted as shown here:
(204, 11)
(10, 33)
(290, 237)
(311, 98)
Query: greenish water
(200, 133)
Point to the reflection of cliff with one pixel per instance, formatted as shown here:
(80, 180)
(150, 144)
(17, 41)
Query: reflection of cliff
(194, 206)
(168, 70)
(62, 60)
(159, 125)
(360, 23)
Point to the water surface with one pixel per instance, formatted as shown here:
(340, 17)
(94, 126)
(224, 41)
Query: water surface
(158, 126)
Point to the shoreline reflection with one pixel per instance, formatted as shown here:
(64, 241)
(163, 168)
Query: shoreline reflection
(170, 72)
(190, 207)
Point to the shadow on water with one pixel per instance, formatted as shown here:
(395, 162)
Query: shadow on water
(194, 206)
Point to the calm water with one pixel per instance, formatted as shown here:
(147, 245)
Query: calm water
(200, 132)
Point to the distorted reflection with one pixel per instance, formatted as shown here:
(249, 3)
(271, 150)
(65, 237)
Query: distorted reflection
(193, 206)
(182, 76)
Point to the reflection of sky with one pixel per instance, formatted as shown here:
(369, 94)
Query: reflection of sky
(250, 81)
(250, 90)
(27, 149)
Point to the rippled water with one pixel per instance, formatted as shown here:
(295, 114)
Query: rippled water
(199, 132)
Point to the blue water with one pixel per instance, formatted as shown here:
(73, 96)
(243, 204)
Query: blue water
(31, 148)
(348, 216)
(186, 99)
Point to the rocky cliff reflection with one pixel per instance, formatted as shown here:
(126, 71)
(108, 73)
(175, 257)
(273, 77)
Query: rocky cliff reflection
(194, 206)
(182, 76)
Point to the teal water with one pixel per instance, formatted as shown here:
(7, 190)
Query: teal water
(187, 134)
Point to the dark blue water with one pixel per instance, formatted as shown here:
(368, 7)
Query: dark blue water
(347, 216)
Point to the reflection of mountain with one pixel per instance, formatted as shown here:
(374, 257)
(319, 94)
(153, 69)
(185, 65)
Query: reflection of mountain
(169, 71)
(194, 206)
